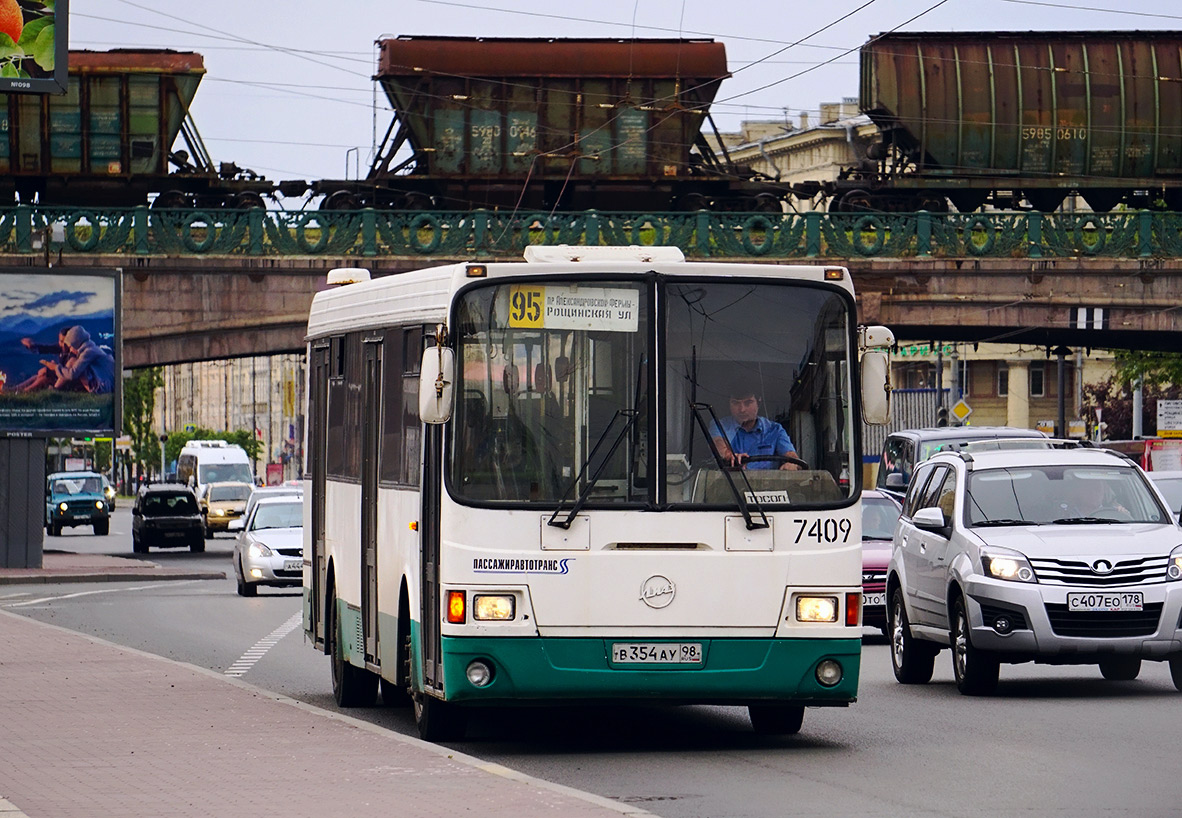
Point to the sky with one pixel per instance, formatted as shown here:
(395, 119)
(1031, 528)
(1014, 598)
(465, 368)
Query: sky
(288, 90)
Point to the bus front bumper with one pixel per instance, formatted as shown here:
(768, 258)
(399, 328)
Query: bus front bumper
(732, 671)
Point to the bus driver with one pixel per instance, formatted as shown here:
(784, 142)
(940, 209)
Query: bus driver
(746, 434)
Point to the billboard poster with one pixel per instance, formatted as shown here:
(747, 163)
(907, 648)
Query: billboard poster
(33, 46)
(60, 367)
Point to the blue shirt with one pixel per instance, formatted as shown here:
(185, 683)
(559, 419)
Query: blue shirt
(766, 437)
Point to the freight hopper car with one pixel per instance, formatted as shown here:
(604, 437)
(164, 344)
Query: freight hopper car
(108, 141)
(1019, 119)
(550, 123)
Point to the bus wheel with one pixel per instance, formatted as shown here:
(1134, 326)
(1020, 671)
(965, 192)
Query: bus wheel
(351, 686)
(438, 720)
(776, 719)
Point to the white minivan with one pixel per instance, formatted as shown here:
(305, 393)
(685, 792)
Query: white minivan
(213, 461)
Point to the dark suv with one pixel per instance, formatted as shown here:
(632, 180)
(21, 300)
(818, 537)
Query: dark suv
(904, 450)
(166, 515)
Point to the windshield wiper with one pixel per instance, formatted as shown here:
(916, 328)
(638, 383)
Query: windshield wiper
(581, 500)
(740, 497)
(1083, 520)
(1004, 521)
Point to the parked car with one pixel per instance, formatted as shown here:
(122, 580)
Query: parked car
(74, 498)
(903, 450)
(270, 545)
(1061, 556)
(1169, 483)
(263, 492)
(221, 503)
(880, 512)
(166, 515)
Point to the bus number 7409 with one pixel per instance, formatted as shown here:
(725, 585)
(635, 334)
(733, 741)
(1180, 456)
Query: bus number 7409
(827, 530)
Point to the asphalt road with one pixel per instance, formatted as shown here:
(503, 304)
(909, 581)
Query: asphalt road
(1052, 741)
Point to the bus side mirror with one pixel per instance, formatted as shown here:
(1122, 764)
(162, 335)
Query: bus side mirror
(437, 377)
(876, 387)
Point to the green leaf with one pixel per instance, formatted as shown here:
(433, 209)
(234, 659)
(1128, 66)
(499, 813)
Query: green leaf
(32, 30)
(43, 49)
(9, 70)
(9, 49)
(48, 4)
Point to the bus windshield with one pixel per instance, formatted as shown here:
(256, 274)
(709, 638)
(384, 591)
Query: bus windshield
(558, 382)
(548, 372)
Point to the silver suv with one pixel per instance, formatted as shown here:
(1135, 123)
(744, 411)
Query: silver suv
(1060, 556)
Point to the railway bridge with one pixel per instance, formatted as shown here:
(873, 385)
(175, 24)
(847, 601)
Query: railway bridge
(207, 285)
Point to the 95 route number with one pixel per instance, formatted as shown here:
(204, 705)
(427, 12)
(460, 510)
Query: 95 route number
(827, 530)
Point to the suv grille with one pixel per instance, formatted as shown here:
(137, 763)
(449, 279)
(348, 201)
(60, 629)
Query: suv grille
(1104, 623)
(1137, 571)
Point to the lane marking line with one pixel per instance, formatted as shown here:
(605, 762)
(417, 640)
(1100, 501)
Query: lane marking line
(259, 649)
(44, 599)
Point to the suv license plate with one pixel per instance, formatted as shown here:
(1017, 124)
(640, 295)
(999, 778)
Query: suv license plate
(655, 653)
(1101, 601)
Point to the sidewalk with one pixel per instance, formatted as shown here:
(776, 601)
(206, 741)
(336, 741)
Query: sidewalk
(64, 566)
(90, 729)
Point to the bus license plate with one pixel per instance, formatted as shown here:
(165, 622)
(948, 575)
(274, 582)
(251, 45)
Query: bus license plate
(657, 653)
(1106, 601)
(293, 565)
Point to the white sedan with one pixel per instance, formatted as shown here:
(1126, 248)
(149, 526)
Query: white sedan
(270, 545)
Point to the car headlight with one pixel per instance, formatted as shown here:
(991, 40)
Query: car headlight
(1001, 563)
(62, 506)
(257, 550)
(1174, 566)
(218, 512)
(99, 505)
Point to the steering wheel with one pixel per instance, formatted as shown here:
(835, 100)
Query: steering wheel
(778, 459)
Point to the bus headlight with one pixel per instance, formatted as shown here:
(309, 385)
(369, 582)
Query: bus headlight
(493, 607)
(816, 609)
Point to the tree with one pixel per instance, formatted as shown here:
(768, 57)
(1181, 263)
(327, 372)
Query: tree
(139, 408)
(1114, 397)
(1157, 369)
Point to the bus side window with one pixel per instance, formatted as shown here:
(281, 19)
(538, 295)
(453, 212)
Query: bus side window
(415, 341)
(393, 364)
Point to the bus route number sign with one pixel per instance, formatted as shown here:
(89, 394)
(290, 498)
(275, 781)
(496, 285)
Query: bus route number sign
(603, 309)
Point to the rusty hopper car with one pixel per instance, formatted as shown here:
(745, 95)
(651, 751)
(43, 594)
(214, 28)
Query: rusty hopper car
(544, 123)
(109, 140)
(1020, 119)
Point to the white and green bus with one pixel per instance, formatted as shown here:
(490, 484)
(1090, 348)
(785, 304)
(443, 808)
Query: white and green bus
(514, 496)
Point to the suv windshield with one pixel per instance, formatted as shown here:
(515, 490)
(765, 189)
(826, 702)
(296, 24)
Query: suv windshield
(1039, 495)
(163, 505)
(557, 381)
(80, 485)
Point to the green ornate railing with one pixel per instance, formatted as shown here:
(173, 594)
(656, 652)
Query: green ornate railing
(370, 233)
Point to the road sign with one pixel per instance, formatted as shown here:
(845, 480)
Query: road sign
(1169, 418)
(961, 410)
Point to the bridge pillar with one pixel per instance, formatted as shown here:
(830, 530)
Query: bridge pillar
(1018, 394)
